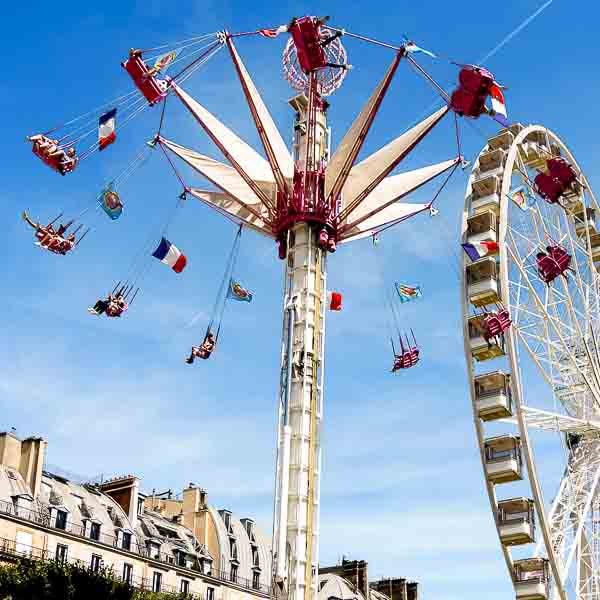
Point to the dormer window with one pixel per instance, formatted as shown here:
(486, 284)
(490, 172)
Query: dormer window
(249, 526)
(227, 520)
(95, 531)
(61, 519)
(154, 550)
(126, 540)
(234, 552)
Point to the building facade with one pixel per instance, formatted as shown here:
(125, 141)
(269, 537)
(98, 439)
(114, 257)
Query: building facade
(152, 541)
(113, 524)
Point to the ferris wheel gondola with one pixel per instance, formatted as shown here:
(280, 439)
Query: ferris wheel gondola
(531, 202)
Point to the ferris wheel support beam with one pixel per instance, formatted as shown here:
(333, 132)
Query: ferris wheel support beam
(533, 477)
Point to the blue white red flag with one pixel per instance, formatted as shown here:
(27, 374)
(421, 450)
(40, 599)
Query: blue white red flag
(477, 250)
(106, 129)
(238, 292)
(498, 105)
(406, 293)
(170, 255)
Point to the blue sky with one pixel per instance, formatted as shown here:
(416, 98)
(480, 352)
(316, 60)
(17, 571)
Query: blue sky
(402, 485)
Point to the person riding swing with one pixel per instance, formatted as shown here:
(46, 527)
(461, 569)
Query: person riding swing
(204, 350)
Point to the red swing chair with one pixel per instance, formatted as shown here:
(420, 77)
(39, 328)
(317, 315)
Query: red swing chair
(409, 354)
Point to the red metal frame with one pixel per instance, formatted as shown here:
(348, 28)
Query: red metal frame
(251, 183)
(336, 189)
(154, 90)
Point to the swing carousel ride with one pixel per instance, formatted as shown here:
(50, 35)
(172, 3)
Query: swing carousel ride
(310, 200)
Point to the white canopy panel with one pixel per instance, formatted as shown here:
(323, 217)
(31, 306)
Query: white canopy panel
(379, 164)
(395, 187)
(350, 146)
(225, 203)
(282, 154)
(392, 213)
(230, 144)
(223, 176)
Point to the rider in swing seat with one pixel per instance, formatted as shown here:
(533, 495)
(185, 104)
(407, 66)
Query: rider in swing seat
(204, 350)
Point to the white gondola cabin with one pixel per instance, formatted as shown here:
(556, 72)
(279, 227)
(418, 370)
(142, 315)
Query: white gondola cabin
(516, 521)
(585, 220)
(482, 227)
(534, 151)
(480, 348)
(595, 249)
(531, 579)
(504, 138)
(491, 163)
(493, 396)
(503, 459)
(482, 282)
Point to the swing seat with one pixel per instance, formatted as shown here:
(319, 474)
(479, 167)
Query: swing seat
(114, 310)
(153, 89)
(474, 84)
(54, 162)
(307, 39)
(409, 358)
(61, 246)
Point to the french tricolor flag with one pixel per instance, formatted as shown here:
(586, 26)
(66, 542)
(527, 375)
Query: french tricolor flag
(498, 104)
(170, 255)
(106, 129)
(477, 250)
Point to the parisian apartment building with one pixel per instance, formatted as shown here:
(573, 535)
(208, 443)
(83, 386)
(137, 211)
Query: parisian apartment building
(180, 544)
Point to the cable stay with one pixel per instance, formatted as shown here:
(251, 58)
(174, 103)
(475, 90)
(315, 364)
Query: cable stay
(226, 290)
(126, 290)
(407, 354)
(57, 147)
(189, 54)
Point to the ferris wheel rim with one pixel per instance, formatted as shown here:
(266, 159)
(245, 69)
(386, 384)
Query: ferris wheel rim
(515, 371)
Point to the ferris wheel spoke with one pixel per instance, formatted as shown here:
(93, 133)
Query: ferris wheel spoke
(556, 326)
(572, 505)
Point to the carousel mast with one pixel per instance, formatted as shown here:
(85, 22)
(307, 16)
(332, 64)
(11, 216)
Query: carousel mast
(302, 366)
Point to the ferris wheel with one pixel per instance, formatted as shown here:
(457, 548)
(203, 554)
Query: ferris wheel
(531, 326)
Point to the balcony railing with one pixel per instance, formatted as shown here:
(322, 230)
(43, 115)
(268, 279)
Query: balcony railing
(42, 518)
(12, 549)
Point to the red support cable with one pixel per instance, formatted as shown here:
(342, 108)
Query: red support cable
(251, 183)
(380, 208)
(346, 211)
(338, 184)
